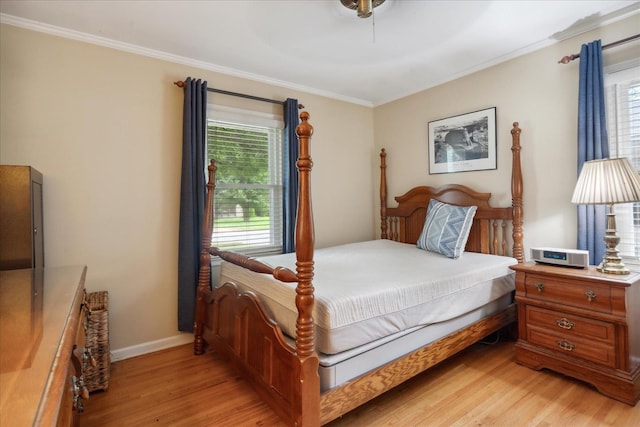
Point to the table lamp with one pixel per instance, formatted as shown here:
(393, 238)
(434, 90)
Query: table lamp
(607, 182)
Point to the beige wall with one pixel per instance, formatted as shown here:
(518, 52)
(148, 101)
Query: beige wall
(533, 90)
(105, 129)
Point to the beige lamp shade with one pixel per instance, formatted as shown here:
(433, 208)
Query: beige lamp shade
(607, 181)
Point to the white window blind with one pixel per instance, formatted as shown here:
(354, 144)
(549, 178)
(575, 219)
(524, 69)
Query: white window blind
(622, 91)
(248, 195)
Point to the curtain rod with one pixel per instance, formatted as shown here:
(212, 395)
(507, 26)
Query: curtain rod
(570, 58)
(240, 95)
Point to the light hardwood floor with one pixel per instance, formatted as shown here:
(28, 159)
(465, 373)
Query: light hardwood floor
(481, 386)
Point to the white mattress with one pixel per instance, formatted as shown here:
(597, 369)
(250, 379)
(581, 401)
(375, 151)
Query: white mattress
(368, 290)
(337, 369)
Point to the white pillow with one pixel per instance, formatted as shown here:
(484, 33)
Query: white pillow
(446, 228)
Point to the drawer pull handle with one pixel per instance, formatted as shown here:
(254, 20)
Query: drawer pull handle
(80, 393)
(539, 286)
(566, 345)
(87, 355)
(590, 295)
(565, 323)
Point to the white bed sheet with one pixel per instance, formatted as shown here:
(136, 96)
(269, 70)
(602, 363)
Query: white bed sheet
(394, 286)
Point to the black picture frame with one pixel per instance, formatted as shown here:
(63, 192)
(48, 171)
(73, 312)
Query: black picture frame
(463, 143)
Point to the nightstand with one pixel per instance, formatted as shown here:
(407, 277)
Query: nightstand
(581, 323)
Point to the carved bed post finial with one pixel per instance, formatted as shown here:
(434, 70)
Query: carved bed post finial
(516, 194)
(383, 194)
(204, 277)
(305, 239)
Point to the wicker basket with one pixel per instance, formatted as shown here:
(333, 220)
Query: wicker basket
(97, 340)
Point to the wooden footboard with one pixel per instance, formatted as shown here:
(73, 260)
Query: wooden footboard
(237, 327)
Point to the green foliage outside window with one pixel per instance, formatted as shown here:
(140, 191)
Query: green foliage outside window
(242, 177)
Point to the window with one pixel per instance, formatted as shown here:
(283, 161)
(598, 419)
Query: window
(247, 147)
(622, 91)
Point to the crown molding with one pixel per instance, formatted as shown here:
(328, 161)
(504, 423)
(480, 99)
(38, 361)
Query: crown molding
(581, 27)
(165, 56)
(593, 22)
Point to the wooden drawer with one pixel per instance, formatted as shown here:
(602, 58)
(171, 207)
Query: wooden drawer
(582, 323)
(582, 295)
(42, 394)
(571, 325)
(575, 346)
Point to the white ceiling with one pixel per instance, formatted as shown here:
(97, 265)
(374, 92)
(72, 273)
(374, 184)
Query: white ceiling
(319, 46)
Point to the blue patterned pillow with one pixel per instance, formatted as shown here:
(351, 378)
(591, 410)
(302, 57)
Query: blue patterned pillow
(446, 228)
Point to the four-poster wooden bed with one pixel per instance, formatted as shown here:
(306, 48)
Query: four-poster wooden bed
(284, 372)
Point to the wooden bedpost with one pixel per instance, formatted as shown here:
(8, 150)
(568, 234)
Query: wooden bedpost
(204, 277)
(305, 240)
(383, 194)
(516, 194)
(308, 408)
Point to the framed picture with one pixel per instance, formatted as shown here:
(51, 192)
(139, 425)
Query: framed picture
(463, 143)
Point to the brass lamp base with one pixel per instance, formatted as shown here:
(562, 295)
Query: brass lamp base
(609, 267)
(612, 263)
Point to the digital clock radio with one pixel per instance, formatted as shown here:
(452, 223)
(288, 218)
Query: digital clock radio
(563, 257)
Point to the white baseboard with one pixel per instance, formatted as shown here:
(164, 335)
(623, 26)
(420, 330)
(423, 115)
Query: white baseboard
(151, 346)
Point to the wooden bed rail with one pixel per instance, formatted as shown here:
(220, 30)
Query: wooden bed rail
(279, 273)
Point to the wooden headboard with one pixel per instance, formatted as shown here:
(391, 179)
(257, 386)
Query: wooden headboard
(489, 232)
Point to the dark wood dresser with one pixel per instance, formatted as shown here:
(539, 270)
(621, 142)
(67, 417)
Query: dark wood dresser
(21, 218)
(581, 323)
(42, 346)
